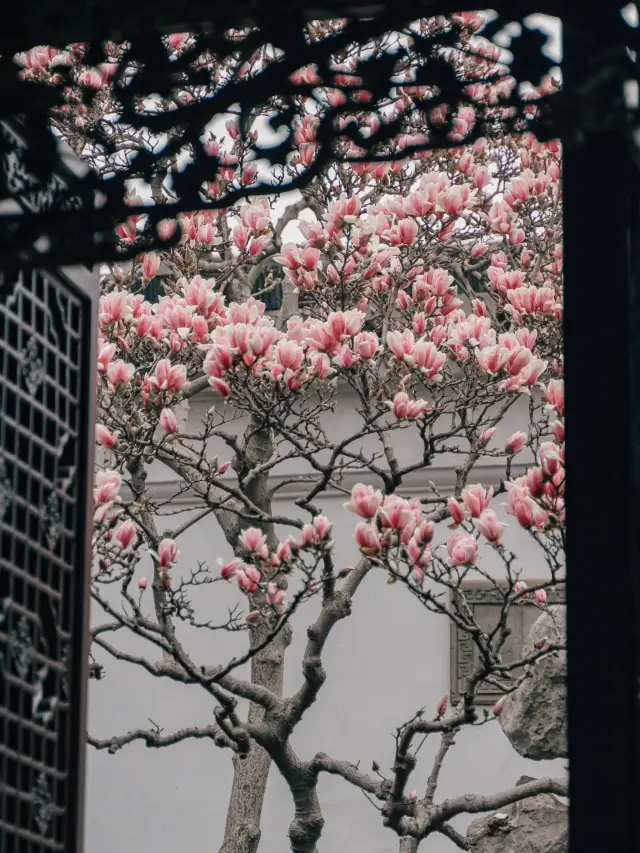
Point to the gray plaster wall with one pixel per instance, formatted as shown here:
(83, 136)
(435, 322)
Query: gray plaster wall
(390, 658)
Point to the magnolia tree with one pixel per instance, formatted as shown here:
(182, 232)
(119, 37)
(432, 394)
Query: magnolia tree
(432, 289)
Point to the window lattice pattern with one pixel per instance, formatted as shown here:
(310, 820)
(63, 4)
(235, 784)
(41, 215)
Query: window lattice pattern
(43, 364)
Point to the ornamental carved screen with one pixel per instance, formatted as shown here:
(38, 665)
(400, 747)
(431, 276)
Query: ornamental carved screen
(46, 394)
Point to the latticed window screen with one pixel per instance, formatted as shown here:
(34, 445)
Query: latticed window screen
(46, 379)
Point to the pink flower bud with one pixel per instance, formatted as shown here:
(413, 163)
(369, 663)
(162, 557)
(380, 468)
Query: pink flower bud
(150, 265)
(487, 435)
(541, 596)
(455, 510)
(104, 437)
(143, 583)
(229, 569)
(442, 705)
(499, 706)
(412, 796)
(125, 534)
(254, 617)
(168, 421)
(224, 467)
(516, 442)
(519, 587)
(167, 552)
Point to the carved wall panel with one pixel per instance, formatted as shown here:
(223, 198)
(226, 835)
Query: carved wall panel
(485, 602)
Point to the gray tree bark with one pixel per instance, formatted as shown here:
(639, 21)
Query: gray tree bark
(242, 830)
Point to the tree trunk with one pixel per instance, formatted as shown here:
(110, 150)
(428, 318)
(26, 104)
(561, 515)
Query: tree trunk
(242, 831)
(408, 845)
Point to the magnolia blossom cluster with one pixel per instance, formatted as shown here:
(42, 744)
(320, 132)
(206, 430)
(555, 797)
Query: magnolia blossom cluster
(392, 522)
(537, 500)
(260, 574)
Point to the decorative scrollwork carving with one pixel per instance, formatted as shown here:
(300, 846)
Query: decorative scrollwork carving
(302, 96)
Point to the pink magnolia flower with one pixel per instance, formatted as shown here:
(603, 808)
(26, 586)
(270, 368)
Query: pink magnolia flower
(108, 485)
(487, 435)
(254, 617)
(365, 501)
(104, 437)
(442, 705)
(120, 372)
(403, 406)
(168, 421)
(240, 237)
(125, 534)
(541, 596)
(516, 442)
(519, 586)
(167, 552)
(229, 569)
(476, 500)
(168, 377)
(462, 548)
(400, 515)
(255, 542)
(401, 344)
(322, 526)
(105, 356)
(455, 510)
(366, 344)
(248, 578)
(143, 583)
(289, 354)
(275, 596)
(499, 706)
(150, 265)
(368, 538)
(554, 395)
(487, 523)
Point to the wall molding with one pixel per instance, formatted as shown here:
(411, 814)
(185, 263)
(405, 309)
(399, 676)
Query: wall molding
(416, 483)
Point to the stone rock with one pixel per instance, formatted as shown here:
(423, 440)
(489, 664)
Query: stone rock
(534, 717)
(535, 825)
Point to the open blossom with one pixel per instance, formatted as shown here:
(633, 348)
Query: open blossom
(248, 578)
(365, 501)
(275, 596)
(462, 548)
(403, 406)
(108, 485)
(476, 500)
(167, 552)
(368, 538)
(168, 377)
(255, 541)
(489, 526)
(120, 372)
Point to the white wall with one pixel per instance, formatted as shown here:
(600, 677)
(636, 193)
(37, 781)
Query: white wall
(387, 660)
